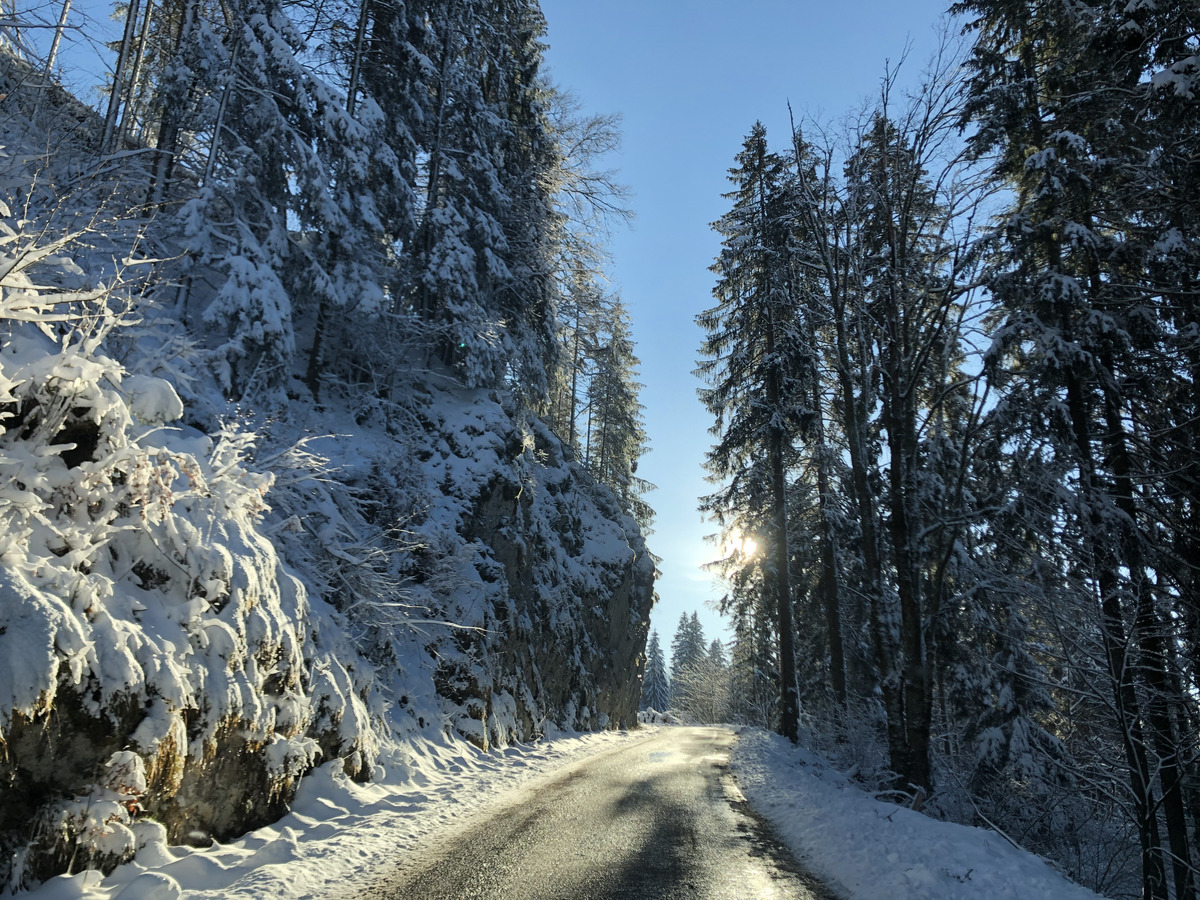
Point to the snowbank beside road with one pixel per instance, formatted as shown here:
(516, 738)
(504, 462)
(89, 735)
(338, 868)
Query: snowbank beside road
(867, 849)
(338, 832)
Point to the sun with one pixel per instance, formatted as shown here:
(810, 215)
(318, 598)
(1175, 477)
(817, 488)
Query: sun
(741, 545)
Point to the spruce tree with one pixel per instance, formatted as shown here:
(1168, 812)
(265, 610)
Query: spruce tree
(1070, 102)
(656, 690)
(755, 366)
(687, 647)
(616, 436)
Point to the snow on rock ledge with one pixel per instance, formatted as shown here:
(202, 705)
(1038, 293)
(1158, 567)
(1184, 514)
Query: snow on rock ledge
(552, 581)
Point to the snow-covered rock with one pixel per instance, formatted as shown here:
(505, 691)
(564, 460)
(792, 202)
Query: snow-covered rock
(554, 581)
(175, 655)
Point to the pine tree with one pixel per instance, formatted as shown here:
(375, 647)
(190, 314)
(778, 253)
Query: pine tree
(616, 436)
(484, 246)
(656, 690)
(716, 653)
(753, 693)
(755, 367)
(1064, 97)
(687, 647)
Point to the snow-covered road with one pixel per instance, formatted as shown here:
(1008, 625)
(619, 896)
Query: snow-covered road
(659, 819)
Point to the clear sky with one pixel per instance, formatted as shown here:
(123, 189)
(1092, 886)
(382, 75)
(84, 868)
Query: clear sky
(689, 78)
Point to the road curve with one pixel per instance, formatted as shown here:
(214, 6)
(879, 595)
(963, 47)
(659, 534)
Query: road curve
(660, 820)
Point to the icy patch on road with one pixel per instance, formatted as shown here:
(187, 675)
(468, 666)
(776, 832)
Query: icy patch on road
(865, 849)
(338, 833)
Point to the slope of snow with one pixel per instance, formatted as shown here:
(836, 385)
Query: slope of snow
(338, 832)
(865, 849)
(198, 605)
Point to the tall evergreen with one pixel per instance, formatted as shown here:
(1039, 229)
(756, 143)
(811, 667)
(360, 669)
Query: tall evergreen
(1071, 102)
(616, 437)
(656, 690)
(687, 647)
(754, 365)
(753, 694)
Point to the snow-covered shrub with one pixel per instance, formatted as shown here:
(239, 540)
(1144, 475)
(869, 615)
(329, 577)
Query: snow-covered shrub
(652, 716)
(154, 651)
(93, 831)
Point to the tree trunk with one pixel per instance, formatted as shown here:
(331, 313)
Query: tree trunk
(829, 585)
(789, 714)
(135, 76)
(856, 440)
(1112, 632)
(167, 145)
(118, 87)
(425, 302)
(58, 31)
(1148, 630)
(360, 38)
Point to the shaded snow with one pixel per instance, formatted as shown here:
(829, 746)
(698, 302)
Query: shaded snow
(866, 849)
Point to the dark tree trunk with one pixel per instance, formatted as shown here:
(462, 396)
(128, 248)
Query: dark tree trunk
(829, 585)
(1112, 629)
(789, 714)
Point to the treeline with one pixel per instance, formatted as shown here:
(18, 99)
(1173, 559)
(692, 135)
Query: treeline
(708, 682)
(953, 364)
(361, 190)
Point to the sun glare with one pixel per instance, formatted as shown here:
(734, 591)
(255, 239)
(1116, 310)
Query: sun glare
(741, 545)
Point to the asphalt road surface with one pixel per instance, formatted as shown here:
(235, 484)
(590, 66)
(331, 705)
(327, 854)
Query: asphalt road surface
(660, 820)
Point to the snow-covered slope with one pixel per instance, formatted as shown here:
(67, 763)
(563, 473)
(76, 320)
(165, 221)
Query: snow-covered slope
(196, 609)
(156, 655)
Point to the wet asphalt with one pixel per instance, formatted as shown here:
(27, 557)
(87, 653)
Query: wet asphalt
(658, 820)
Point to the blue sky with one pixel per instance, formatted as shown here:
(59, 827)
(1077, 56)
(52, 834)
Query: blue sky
(689, 78)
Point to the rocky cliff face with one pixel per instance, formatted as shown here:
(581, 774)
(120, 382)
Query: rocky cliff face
(171, 649)
(552, 580)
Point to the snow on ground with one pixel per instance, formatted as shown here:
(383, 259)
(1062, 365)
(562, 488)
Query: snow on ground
(338, 833)
(868, 849)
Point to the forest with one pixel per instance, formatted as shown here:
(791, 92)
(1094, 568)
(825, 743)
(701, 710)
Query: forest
(952, 361)
(332, 185)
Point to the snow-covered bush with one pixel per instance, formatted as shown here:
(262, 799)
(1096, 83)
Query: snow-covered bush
(93, 831)
(154, 652)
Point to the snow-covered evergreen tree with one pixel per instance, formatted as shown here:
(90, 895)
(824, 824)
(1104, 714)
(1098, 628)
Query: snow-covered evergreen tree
(656, 690)
(752, 692)
(616, 435)
(756, 369)
(716, 653)
(687, 646)
(1070, 101)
